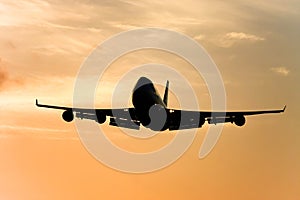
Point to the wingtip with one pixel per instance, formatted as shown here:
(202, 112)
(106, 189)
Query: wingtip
(284, 108)
(36, 102)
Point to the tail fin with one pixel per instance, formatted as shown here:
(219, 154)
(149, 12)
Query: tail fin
(166, 95)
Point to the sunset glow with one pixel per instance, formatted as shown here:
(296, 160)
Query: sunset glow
(255, 45)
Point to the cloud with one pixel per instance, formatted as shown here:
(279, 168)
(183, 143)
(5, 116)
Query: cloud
(3, 77)
(27, 128)
(6, 79)
(43, 133)
(199, 37)
(280, 70)
(243, 36)
(231, 38)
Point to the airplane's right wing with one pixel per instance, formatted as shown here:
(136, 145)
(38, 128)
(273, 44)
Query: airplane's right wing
(121, 117)
(185, 119)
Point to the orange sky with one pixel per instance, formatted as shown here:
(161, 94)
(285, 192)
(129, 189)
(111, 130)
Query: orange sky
(255, 45)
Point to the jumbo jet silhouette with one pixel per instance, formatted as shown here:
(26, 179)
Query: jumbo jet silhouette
(152, 112)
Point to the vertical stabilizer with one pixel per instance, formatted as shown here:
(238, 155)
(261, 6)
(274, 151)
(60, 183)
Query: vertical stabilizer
(166, 95)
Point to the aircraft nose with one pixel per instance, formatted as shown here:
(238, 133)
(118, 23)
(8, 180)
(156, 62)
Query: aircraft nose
(142, 81)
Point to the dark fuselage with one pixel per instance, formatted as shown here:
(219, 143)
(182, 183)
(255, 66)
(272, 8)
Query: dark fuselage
(147, 101)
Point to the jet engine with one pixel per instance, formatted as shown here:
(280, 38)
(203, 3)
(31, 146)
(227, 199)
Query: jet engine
(101, 117)
(239, 120)
(201, 121)
(68, 115)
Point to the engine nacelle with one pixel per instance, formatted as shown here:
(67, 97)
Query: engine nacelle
(201, 121)
(101, 117)
(239, 120)
(68, 116)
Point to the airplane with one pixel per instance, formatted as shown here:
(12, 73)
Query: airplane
(151, 111)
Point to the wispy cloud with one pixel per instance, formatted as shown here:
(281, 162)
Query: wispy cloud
(3, 77)
(28, 128)
(280, 70)
(6, 79)
(243, 36)
(199, 37)
(231, 38)
(44, 133)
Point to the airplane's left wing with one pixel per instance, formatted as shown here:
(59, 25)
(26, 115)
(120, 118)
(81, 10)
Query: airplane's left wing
(121, 117)
(185, 119)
